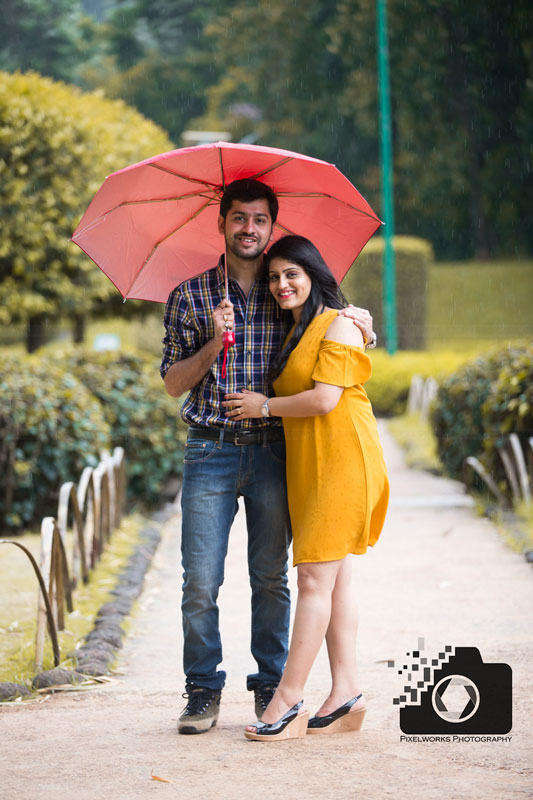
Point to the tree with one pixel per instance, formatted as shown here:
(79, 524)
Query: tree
(461, 108)
(42, 35)
(459, 75)
(57, 144)
(157, 58)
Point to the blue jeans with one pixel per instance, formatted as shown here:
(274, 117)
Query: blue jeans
(215, 475)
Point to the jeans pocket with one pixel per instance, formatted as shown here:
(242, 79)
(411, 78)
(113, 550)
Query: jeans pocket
(198, 450)
(277, 450)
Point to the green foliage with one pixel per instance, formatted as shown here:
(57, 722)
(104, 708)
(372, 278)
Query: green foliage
(508, 408)
(51, 427)
(157, 58)
(391, 376)
(56, 146)
(459, 104)
(312, 80)
(459, 417)
(42, 35)
(143, 418)
(362, 286)
(57, 413)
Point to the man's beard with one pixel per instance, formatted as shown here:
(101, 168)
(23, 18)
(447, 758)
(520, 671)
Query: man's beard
(246, 255)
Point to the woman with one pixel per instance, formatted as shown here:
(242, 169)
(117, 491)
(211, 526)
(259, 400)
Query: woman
(336, 481)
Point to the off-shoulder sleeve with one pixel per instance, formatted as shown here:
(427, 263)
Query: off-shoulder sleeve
(341, 364)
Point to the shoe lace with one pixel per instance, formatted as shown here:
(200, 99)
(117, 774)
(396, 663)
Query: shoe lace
(197, 700)
(264, 695)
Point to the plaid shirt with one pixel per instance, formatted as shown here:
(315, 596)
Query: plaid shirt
(260, 329)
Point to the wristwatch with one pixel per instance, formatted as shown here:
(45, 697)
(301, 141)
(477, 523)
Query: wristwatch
(372, 342)
(264, 409)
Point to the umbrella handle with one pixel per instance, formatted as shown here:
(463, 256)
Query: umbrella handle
(228, 337)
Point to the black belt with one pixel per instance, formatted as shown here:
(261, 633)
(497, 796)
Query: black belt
(237, 437)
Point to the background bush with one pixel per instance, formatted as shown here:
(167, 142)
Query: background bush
(362, 286)
(51, 427)
(57, 414)
(478, 405)
(508, 408)
(143, 418)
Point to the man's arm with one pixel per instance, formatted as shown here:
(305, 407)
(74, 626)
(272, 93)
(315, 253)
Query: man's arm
(187, 372)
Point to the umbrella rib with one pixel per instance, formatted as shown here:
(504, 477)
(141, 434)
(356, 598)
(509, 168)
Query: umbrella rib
(160, 242)
(285, 229)
(328, 197)
(184, 177)
(142, 202)
(222, 169)
(271, 168)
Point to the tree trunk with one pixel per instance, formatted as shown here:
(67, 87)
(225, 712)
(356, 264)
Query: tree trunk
(35, 333)
(78, 329)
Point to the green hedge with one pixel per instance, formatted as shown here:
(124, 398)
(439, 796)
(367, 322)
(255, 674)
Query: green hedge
(57, 414)
(143, 418)
(477, 406)
(51, 427)
(362, 286)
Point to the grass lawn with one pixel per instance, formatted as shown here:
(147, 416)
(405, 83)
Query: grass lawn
(479, 304)
(18, 601)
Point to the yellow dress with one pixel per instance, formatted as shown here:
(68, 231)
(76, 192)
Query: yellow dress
(336, 476)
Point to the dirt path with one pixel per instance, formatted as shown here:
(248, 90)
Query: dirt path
(439, 572)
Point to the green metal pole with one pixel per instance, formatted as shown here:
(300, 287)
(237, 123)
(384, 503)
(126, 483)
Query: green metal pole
(389, 261)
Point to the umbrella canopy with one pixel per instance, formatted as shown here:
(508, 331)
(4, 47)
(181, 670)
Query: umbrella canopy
(153, 225)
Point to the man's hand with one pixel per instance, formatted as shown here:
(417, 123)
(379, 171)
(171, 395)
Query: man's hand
(223, 320)
(361, 317)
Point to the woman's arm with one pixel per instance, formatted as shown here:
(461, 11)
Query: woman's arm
(320, 400)
(314, 402)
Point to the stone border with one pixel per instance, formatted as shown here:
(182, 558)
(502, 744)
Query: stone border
(100, 645)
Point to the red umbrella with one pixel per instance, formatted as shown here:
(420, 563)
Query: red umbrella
(152, 225)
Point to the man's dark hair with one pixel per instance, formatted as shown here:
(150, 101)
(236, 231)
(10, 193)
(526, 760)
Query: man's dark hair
(246, 190)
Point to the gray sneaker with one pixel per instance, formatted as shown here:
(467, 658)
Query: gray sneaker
(201, 712)
(263, 694)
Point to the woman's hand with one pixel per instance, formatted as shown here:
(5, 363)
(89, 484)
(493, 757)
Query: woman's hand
(244, 405)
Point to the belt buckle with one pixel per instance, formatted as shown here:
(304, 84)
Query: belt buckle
(244, 437)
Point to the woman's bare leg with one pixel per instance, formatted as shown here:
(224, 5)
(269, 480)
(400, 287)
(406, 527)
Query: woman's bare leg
(316, 583)
(341, 642)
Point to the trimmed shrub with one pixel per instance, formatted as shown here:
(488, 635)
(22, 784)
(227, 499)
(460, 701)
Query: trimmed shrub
(458, 419)
(51, 427)
(143, 418)
(507, 409)
(362, 286)
(388, 388)
(57, 144)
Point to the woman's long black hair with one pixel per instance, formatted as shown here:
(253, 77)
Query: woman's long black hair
(324, 292)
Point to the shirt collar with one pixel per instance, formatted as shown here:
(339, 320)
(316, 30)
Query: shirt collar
(221, 275)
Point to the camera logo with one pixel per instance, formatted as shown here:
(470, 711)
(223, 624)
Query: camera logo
(454, 693)
(462, 704)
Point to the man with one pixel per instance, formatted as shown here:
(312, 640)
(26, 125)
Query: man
(226, 459)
